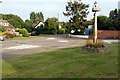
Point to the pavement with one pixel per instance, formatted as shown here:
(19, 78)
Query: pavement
(14, 48)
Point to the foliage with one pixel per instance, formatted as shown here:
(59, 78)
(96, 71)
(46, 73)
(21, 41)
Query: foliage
(18, 29)
(24, 32)
(115, 19)
(110, 23)
(36, 17)
(77, 11)
(52, 24)
(8, 34)
(99, 44)
(15, 20)
(104, 23)
(2, 28)
(61, 31)
(28, 25)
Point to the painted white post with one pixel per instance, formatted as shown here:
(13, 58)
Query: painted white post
(95, 27)
(95, 9)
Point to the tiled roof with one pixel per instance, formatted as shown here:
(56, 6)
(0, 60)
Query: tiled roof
(35, 24)
(4, 21)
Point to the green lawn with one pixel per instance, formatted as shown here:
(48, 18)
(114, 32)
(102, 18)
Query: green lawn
(64, 63)
(21, 38)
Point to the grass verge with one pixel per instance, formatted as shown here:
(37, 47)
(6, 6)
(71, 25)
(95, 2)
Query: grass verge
(64, 63)
(22, 38)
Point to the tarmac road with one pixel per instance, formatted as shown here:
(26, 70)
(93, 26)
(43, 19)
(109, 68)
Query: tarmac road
(13, 48)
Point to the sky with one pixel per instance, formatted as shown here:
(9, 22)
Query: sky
(51, 8)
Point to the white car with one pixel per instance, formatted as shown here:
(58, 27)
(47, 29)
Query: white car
(2, 38)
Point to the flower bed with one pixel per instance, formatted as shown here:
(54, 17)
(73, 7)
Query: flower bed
(94, 49)
(98, 47)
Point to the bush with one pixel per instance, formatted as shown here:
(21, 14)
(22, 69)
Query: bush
(47, 31)
(99, 44)
(8, 35)
(98, 47)
(61, 31)
(24, 32)
(2, 28)
(18, 29)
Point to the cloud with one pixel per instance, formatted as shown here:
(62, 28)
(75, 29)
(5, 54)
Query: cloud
(101, 0)
(59, 1)
(36, 0)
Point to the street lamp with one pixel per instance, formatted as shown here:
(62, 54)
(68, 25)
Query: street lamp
(95, 9)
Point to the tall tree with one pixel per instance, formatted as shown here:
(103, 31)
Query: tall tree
(104, 23)
(39, 16)
(32, 16)
(115, 18)
(77, 11)
(36, 17)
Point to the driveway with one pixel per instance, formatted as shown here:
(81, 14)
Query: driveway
(13, 48)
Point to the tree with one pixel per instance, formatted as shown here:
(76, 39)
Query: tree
(36, 17)
(77, 11)
(28, 25)
(32, 16)
(14, 20)
(104, 23)
(39, 16)
(115, 18)
(52, 24)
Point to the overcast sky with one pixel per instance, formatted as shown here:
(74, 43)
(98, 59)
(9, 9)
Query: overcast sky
(51, 8)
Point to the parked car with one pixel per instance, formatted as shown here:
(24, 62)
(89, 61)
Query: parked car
(2, 38)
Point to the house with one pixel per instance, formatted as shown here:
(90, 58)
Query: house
(7, 25)
(36, 25)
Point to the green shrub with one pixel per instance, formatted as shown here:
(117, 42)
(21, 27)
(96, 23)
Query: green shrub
(18, 29)
(24, 32)
(47, 31)
(61, 31)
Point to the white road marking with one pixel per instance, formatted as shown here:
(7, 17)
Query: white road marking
(63, 41)
(22, 47)
(50, 38)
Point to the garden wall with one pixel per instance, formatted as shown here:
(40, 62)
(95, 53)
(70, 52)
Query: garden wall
(107, 34)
